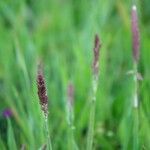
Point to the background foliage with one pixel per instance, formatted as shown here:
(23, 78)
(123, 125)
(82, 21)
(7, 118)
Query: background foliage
(61, 34)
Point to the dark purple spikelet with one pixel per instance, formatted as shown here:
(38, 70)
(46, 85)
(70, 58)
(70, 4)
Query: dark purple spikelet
(42, 93)
(135, 34)
(7, 113)
(96, 55)
(70, 93)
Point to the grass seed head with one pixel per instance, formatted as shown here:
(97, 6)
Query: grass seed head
(96, 50)
(42, 93)
(70, 93)
(135, 34)
(7, 113)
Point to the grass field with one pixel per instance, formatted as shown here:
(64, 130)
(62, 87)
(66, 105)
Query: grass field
(61, 34)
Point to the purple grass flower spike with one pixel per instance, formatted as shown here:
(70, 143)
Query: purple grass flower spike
(7, 113)
(96, 55)
(135, 34)
(42, 93)
(70, 93)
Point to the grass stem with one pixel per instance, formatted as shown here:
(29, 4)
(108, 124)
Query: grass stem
(49, 144)
(92, 114)
(135, 111)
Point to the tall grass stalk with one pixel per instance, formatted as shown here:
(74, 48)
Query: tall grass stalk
(93, 93)
(135, 48)
(42, 93)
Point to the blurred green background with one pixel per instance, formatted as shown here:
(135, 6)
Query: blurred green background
(61, 34)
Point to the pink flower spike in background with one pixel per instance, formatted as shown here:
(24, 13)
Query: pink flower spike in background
(70, 93)
(135, 34)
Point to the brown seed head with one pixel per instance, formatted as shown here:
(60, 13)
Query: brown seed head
(70, 93)
(96, 55)
(42, 90)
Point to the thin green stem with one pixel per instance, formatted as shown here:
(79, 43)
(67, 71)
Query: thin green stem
(135, 86)
(135, 130)
(49, 144)
(71, 141)
(135, 111)
(92, 114)
(91, 127)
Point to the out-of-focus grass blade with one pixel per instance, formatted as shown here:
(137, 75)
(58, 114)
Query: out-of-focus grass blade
(123, 14)
(10, 137)
(21, 62)
(2, 145)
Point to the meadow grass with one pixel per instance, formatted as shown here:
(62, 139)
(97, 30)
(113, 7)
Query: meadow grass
(61, 34)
